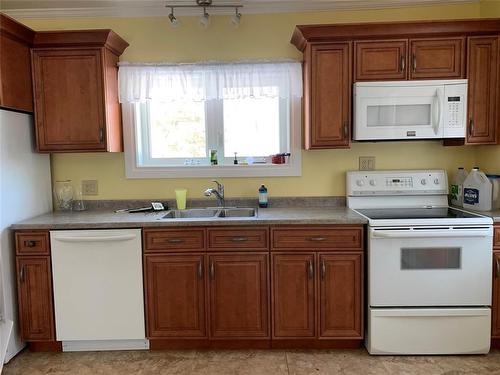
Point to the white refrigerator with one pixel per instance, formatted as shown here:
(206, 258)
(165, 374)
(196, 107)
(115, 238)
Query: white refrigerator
(25, 191)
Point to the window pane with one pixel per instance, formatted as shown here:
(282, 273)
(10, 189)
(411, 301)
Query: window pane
(252, 127)
(177, 129)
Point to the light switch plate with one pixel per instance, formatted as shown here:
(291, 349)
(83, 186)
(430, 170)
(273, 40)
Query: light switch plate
(90, 187)
(366, 163)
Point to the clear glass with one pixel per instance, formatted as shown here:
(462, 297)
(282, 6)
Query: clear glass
(430, 258)
(78, 202)
(251, 127)
(399, 115)
(63, 195)
(177, 129)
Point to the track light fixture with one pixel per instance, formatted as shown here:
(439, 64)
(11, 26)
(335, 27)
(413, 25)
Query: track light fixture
(205, 17)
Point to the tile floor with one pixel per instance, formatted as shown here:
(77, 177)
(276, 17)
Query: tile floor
(268, 362)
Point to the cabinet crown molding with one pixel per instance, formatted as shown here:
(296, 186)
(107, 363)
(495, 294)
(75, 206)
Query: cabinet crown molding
(78, 38)
(304, 34)
(16, 30)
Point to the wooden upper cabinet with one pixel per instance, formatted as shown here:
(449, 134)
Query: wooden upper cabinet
(175, 295)
(34, 287)
(328, 96)
(380, 60)
(340, 300)
(483, 66)
(293, 295)
(495, 311)
(437, 58)
(76, 91)
(239, 296)
(16, 91)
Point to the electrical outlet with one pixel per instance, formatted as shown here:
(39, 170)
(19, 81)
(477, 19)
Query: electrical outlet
(366, 163)
(90, 187)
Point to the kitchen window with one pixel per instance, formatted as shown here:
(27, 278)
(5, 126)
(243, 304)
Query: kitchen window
(175, 115)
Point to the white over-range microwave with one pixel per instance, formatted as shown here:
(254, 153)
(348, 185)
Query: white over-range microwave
(410, 109)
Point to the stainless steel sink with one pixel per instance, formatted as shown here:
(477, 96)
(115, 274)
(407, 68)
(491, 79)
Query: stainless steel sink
(202, 213)
(238, 212)
(192, 213)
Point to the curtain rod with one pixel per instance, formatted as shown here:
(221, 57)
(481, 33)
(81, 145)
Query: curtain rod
(241, 62)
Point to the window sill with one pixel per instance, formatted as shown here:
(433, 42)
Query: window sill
(265, 170)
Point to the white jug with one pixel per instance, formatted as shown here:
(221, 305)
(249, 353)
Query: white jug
(477, 191)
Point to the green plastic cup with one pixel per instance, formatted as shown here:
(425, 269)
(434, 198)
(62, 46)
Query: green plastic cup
(180, 198)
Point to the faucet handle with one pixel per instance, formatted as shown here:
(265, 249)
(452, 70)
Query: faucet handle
(220, 187)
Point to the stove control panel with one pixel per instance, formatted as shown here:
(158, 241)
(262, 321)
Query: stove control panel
(417, 182)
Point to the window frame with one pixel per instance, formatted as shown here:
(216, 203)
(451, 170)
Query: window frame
(133, 169)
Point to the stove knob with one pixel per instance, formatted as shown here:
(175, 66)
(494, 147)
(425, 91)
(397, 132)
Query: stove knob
(423, 181)
(360, 183)
(373, 182)
(436, 181)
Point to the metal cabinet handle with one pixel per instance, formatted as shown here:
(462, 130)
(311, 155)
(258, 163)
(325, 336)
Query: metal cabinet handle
(30, 243)
(200, 269)
(403, 63)
(471, 127)
(323, 269)
(101, 134)
(310, 269)
(212, 270)
(414, 58)
(346, 129)
(497, 272)
(22, 274)
(316, 239)
(175, 240)
(239, 239)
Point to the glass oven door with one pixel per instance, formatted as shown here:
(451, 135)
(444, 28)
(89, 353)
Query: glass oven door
(433, 266)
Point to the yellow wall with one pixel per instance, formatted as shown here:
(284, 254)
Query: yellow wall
(259, 37)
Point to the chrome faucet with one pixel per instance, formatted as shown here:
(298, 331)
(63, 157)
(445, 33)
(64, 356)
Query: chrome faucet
(219, 193)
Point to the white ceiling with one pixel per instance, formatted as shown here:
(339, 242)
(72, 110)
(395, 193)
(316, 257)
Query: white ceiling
(139, 8)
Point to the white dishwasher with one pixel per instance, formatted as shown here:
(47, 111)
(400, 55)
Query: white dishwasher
(98, 289)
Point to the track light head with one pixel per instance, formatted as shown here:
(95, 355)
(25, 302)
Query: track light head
(205, 19)
(173, 19)
(236, 18)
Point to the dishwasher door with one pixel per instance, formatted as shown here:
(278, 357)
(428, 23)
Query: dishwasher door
(98, 285)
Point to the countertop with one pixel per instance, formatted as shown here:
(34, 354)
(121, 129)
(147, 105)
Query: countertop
(495, 215)
(100, 219)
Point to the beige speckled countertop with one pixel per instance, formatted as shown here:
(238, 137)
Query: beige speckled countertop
(100, 219)
(495, 215)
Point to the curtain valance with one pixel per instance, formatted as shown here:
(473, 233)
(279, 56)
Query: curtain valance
(207, 81)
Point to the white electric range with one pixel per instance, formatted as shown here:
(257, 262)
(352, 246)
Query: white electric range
(429, 265)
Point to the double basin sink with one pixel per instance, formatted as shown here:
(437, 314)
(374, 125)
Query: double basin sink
(208, 213)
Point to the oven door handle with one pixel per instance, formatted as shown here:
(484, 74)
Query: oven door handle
(450, 233)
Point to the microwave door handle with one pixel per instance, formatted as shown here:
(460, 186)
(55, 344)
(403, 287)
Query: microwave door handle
(438, 120)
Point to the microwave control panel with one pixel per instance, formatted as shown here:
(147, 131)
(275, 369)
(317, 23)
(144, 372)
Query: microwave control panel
(455, 104)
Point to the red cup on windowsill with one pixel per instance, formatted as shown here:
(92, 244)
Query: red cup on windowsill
(279, 158)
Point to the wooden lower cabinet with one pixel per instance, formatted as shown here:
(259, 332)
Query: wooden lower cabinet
(238, 289)
(293, 295)
(34, 283)
(495, 313)
(175, 295)
(340, 298)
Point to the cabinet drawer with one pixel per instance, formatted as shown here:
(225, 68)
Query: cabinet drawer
(238, 238)
(158, 240)
(32, 243)
(496, 238)
(313, 238)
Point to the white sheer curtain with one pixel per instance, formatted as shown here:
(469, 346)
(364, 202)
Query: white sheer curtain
(207, 81)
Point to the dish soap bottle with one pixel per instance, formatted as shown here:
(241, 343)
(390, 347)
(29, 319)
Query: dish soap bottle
(477, 191)
(457, 187)
(263, 199)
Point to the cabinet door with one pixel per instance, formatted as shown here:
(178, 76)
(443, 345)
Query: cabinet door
(175, 295)
(69, 105)
(238, 288)
(340, 301)
(483, 90)
(330, 88)
(36, 312)
(380, 60)
(495, 327)
(437, 58)
(293, 295)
